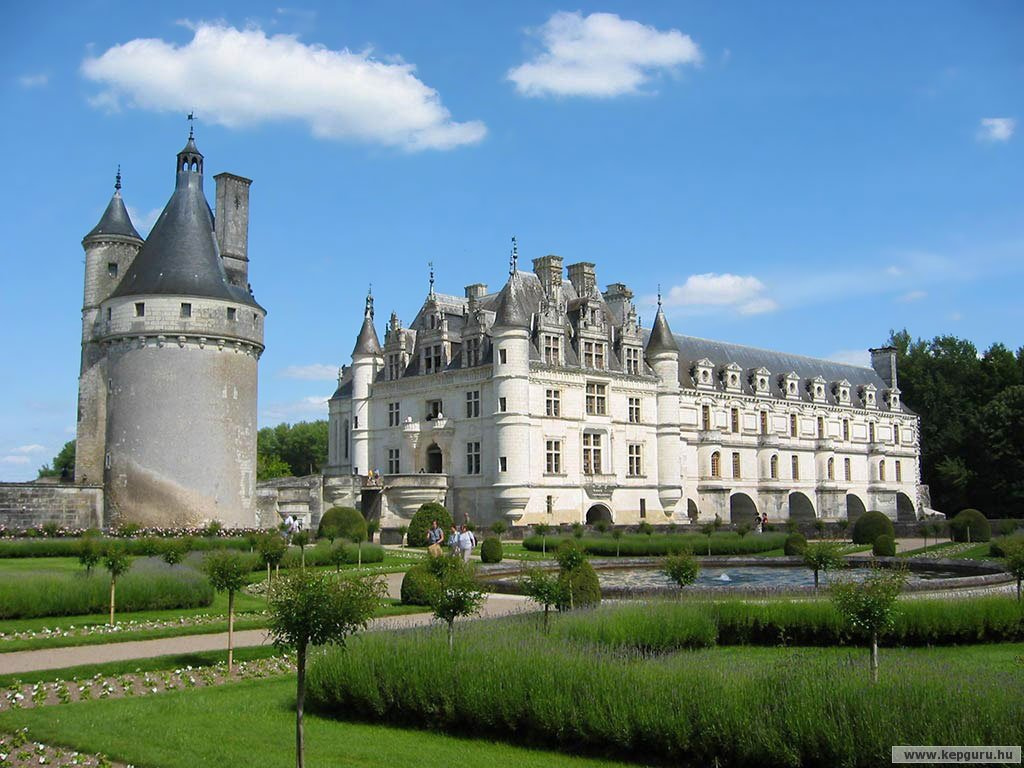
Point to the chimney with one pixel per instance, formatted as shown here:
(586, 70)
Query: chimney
(549, 270)
(583, 277)
(476, 291)
(232, 225)
(619, 299)
(883, 360)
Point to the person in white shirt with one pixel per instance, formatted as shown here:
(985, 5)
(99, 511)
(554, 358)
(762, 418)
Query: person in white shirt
(466, 542)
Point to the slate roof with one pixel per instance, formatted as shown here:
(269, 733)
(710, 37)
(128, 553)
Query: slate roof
(115, 220)
(367, 343)
(660, 338)
(518, 300)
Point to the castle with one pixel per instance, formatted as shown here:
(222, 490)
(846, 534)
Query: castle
(171, 339)
(547, 402)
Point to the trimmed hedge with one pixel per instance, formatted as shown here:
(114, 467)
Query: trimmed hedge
(999, 547)
(420, 523)
(490, 550)
(870, 526)
(884, 546)
(320, 554)
(344, 523)
(135, 547)
(582, 583)
(659, 544)
(796, 543)
(970, 525)
(418, 584)
(74, 594)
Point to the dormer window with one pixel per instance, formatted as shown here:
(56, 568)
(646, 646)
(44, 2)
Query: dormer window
(817, 389)
(789, 384)
(841, 392)
(759, 379)
(633, 361)
(868, 395)
(701, 373)
(593, 354)
(731, 377)
(432, 359)
(892, 398)
(552, 349)
(472, 352)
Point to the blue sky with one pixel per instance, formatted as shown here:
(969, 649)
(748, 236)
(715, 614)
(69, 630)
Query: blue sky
(802, 176)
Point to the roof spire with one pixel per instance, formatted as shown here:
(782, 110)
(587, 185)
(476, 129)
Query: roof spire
(191, 124)
(659, 295)
(431, 292)
(368, 312)
(513, 259)
(117, 179)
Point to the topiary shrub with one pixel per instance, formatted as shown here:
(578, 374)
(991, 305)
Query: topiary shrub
(418, 585)
(970, 525)
(582, 583)
(870, 526)
(342, 523)
(420, 523)
(884, 546)
(490, 550)
(795, 544)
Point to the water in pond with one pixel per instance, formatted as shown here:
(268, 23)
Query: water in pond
(746, 576)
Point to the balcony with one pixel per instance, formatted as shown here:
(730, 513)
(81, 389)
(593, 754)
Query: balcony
(600, 486)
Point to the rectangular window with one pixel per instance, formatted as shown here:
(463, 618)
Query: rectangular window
(764, 422)
(111, 269)
(394, 414)
(140, 309)
(821, 427)
(895, 434)
(847, 471)
(502, 405)
(502, 464)
(394, 366)
(591, 453)
(795, 461)
(597, 399)
(108, 314)
(593, 354)
(734, 419)
(705, 417)
(432, 359)
(634, 410)
(846, 430)
(502, 356)
(472, 352)
(552, 349)
(473, 404)
(553, 402)
(232, 314)
(186, 310)
(473, 458)
(433, 409)
(634, 460)
(553, 457)
(793, 430)
(899, 472)
(393, 456)
(871, 432)
(736, 465)
(643, 508)
(633, 361)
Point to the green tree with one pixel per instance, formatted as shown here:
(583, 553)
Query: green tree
(457, 592)
(545, 589)
(541, 529)
(823, 556)
(1001, 424)
(301, 540)
(228, 571)
(271, 549)
(63, 464)
(682, 568)
(172, 551)
(89, 553)
(301, 447)
(617, 535)
(869, 606)
(402, 531)
(308, 609)
(1015, 564)
(498, 528)
(117, 562)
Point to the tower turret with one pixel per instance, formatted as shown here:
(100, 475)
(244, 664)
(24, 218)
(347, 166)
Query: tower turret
(663, 356)
(367, 358)
(110, 248)
(511, 345)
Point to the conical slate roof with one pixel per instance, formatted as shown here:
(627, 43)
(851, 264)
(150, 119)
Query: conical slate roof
(115, 220)
(180, 256)
(661, 338)
(513, 309)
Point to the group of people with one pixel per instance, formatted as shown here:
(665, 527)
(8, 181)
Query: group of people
(760, 521)
(461, 541)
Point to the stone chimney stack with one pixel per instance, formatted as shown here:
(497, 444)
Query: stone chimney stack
(883, 360)
(232, 224)
(476, 291)
(583, 277)
(549, 270)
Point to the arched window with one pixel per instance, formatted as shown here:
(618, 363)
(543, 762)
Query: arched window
(881, 470)
(831, 468)
(795, 461)
(773, 465)
(716, 464)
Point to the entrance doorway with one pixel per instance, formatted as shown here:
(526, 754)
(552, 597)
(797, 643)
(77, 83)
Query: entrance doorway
(435, 461)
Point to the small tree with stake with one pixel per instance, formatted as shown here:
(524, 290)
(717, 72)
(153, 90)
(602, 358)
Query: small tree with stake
(1015, 564)
(228, 571)
(869, 606)
(117, 562)
(357, 536)
(301, 540)
(402, 530)
(271, 549)
(544, 588)
(707, 529)
(498, 528)
(89, 553)
(309, 608)
(372, 526)
(682, 568)
(541, 529)
(823, 556)
(457, 592)
(617, 535)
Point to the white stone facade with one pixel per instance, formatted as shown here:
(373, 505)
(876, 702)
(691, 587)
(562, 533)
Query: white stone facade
(571, 414)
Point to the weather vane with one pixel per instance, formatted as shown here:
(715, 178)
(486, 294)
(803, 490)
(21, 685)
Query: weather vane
(191, 124)
(513, 261)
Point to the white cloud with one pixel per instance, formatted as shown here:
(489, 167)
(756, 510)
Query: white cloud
(239, 77)
(314, 406)
(859, 357)
(143, 221)
(743, 293)
(910, 296)
(33, 448)
(15, 459)
(311, 372)
(600, 55)
(38, 80)
(996, 128)
(894, 271)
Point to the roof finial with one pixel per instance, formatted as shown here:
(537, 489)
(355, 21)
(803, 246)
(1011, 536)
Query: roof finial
(117, 179)
(191, 124)
(369, 302)
(659, 295)
(431, 265)
(513, 261)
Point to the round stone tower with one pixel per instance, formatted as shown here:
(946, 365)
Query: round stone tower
(181, 342)
(663, 356)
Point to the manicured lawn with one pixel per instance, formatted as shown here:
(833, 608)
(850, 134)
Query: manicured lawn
(252, 723)
(11, 566)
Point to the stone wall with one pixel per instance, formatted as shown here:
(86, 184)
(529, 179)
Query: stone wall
(300, 497)
(31, 505)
